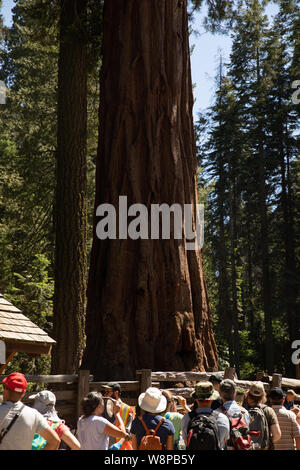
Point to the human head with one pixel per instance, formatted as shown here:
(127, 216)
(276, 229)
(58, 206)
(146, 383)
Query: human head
(276, 396)
(92, 404)
(227, 390)
(152, 401)
(116, 391)
(204, 394)
(216, 379)
(108, 390)
(15, 385)
(171, 400)
(44, 402)
(256, 393)
(290, 395)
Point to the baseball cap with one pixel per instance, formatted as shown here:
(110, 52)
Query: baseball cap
(112, 386)
(227, 385)
(257, 389)
(116, 387)
(276, 393)
(205, 391)
(15, 382)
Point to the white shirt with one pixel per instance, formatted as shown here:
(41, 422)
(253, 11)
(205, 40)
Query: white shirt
(20, 436)
(91, 433)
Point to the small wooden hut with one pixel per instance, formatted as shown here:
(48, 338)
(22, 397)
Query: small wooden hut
(19, 334)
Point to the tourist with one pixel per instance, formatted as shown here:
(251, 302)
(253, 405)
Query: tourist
(153, 403)
(25, 422)
(44, 402)
(93, 430)
(204, 394)
(263, 418)
(290, 429)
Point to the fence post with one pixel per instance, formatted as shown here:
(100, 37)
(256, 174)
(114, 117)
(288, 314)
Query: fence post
(276, 380)
(260, 375)
(83, 388)
(229, 373)
(144, 376)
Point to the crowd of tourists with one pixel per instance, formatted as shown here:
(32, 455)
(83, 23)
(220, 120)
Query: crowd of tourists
(219, 416)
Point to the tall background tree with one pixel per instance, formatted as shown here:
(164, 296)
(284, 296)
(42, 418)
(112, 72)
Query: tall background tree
(147, 299)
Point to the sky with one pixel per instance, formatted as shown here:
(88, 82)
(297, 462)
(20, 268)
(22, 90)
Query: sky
(206, 49)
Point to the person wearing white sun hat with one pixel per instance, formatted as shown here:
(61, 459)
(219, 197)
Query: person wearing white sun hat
(153, 403)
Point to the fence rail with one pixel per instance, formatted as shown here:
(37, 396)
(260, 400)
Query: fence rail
(77, 386)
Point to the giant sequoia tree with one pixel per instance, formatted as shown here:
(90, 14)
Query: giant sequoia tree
(147, 299)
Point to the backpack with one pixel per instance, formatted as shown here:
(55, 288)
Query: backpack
(38, 442)
(259, 428)
(150, 441)
(203, 431)
(239, 431)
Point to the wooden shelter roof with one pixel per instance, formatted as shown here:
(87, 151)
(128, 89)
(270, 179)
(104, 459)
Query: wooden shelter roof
(19, 333)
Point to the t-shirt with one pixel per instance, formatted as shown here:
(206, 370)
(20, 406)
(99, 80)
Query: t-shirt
(20, 436)
(234, 409)
(91, 433)
(175, 419)
(166, 428)
(289, 428)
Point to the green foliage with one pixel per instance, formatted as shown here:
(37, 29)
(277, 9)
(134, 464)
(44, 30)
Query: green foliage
(32, 293)
(252, 107)
(28, 140)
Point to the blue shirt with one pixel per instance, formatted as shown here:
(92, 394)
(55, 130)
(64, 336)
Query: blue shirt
(222, 422)
(288, 404)
(166, 429)
(235, 410)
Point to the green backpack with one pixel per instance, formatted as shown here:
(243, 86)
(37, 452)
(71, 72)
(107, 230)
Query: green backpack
(38, 442)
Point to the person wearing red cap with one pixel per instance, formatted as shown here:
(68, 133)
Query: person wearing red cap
(28, 420)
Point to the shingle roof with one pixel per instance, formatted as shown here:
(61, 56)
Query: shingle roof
(15, 326)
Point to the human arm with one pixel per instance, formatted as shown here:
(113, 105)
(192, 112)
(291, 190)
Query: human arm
(183, 404)
(275, 432)
(51, 437)
(114, 431)
(297, 439)
(70, 440)
(296, 411)
(170, 442)
(134, 442)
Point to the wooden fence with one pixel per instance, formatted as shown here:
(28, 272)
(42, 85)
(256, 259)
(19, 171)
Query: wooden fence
(70, 389)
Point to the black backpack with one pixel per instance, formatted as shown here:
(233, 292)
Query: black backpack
(203, 431)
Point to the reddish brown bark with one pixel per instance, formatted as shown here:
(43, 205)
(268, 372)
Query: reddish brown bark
(147, 300)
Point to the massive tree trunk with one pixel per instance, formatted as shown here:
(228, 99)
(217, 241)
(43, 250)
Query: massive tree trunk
(147, 299)
(70, 221)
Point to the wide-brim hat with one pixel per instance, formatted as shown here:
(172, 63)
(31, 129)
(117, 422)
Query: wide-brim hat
(257, 389)
(205, 391)
(152, 401)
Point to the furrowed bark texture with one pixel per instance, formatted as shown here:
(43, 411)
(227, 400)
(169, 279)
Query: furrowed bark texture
(71, 211)
(147, 299)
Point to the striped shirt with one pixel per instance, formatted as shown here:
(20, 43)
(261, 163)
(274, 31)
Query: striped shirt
(289, 428)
